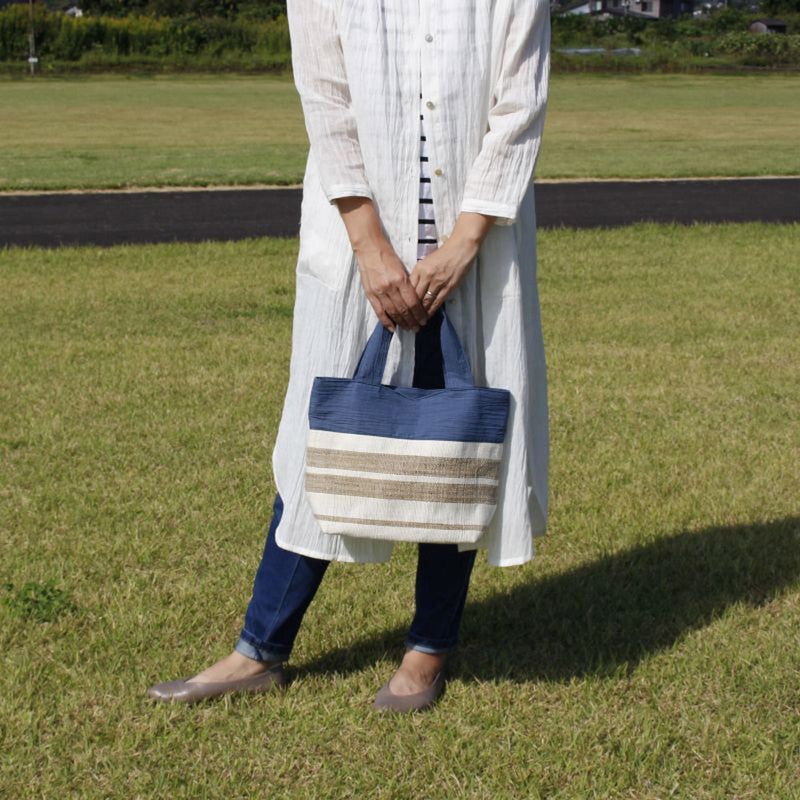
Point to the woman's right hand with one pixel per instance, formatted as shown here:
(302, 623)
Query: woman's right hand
(383, 275)
(388, 288)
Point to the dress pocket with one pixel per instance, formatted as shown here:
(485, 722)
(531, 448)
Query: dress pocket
(325, 251)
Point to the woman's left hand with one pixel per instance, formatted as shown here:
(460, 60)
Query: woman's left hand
(443, 269)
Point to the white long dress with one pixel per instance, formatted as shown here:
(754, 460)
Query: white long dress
(482, 67)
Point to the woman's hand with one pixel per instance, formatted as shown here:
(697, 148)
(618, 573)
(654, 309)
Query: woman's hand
(387, 286)
(397, 296)
(443, 269)
(383, 275)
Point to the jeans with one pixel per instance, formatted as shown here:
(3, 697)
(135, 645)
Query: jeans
(286, 582)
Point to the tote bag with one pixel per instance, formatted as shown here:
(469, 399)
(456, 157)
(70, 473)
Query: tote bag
(405, 463)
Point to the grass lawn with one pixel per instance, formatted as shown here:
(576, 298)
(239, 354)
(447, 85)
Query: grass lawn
(650, 650)
(198, 130)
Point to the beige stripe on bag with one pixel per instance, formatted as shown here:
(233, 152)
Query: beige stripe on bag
(401, 490)
(399, 523)
(451, 467)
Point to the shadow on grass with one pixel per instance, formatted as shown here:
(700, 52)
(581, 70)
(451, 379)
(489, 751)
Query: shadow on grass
(603, 617)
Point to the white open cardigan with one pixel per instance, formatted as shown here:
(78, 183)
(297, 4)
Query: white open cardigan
(483, 68)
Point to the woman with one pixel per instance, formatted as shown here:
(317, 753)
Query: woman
(424, 121)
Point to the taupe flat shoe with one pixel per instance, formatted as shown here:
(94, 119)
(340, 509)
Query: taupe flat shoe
(185, 692)
(386, 700)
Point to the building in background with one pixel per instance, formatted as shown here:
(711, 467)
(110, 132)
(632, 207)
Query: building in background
(653, 9)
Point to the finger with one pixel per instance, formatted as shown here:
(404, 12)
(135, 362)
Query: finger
(420, 277)
(381, 313)
(375, 300)
(438, 301)
(429, 300)
(421, 288)
(421, 283)
(435, 290)
(417, 311)
(401, 310)
(390, 309)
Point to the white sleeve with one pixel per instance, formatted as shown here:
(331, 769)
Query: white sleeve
(503, 168)
(319, 74)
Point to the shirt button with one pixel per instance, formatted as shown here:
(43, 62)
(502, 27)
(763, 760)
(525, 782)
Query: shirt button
(428, 37)
(437, 171)
(429, 104)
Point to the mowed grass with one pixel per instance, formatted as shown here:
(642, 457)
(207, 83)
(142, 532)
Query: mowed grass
(113, 132)
(650, 649)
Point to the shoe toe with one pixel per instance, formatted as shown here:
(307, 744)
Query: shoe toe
(169, 690)
(190, 692)
(386, 700)
(383, 697)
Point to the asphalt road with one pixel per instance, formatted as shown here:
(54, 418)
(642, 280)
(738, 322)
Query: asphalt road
(109, 218)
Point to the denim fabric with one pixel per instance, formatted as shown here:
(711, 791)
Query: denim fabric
(284, 586)
(286, 582)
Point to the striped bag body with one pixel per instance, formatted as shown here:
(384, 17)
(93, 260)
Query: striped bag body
(405, 463)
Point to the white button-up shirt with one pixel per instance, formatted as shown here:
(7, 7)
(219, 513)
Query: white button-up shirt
(483, 68)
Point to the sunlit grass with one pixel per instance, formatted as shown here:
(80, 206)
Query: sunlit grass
(649, 650)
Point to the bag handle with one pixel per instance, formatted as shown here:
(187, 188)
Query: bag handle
(457, 371)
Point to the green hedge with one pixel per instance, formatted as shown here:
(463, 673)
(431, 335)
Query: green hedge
(578, 30)
(760, 49)
(208, 42)
(685, 42)
(66, 38)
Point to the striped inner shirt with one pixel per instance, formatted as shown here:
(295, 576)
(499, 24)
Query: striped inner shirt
(426, 236)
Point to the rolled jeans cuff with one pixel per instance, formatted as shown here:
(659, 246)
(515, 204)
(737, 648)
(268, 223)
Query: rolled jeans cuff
(426, 647)
(257, 652)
